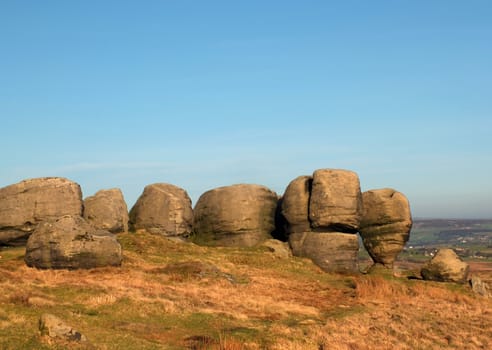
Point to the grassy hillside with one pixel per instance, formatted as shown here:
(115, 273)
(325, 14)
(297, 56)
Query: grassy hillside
(170, 295)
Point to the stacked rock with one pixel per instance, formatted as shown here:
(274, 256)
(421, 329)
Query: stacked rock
(322, 214)
(240, 215)
(385, 225)
(24, 205)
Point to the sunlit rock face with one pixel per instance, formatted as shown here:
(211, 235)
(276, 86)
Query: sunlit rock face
(385, 224)
(237, 215)
(26, 204)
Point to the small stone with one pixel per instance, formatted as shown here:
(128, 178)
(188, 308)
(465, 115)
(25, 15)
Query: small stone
(54, 327)
(445, 266)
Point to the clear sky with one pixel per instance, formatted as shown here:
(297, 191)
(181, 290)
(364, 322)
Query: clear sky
(203, 94)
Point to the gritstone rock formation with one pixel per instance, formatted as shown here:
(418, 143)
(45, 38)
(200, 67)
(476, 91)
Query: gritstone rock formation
(163, 209)
(107, 210)
(237, 215)
(385, 224)
(332, 251)
(69, 242)
(335, 202)
(445, 266)
(322, 214)
(25, 204)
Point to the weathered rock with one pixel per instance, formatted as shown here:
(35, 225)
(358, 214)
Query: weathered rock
(237, 215)
(25, 204)
(107, 210)
(54, 327)
(69, 242)
(336, 201)
(385, 224)
(163, 209)
(480, 287)
(278, 248)
(332, 251)
(445, 266)
(295, 204)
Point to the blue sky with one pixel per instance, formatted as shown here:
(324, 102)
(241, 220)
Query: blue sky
(204, 94)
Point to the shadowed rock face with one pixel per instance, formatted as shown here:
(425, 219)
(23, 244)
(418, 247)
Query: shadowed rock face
(163, 209)
(25, 204)
(107, 210)
(445, 266)
(336, 202)
(295, 204)
(70, 242)
(385, 224)
(237, 215)
(332, 251)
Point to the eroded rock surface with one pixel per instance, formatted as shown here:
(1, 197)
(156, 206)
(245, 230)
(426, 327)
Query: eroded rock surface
(331, 251)
(445, 266)
(26, 204)
(385, 224)
(237, 215)
(70, 242)
(336, 201)
(163, 209)
(107, 210)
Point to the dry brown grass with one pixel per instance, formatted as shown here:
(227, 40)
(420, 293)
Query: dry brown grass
(245, 300)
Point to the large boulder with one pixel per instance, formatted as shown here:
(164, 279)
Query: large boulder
(25, 204)
(331, 251)
(70, 242)
(237, 215)
(295, 204)
(107, 210)
(163, 209)
(385, 224)
(336, 202)
(445, 266)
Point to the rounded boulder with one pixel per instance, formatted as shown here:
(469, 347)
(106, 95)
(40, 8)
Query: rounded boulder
(70, 242)
(163, 209)
(237, 215)
(107, 210)
(385, 224)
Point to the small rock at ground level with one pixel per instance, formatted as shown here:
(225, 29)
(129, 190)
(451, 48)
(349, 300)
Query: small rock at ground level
(385, 224)
(107, 210)
(54, 327)
(70, 242)
(336, 201)
(480, 287)
(445, 266)
(25, 204)
(331, 251)
(163, 209)
(277, 248)
(239, 215)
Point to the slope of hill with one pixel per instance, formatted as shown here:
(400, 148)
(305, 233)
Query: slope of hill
(170, 295)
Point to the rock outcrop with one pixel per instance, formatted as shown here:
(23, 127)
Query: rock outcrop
(69, 242)
(336, 202)
(237, 215)
(331, 251)
(107, 210)
(322, 214)
(385, 224)
(445, 266)
(163, 209)
(25, 204)
(295, 204)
